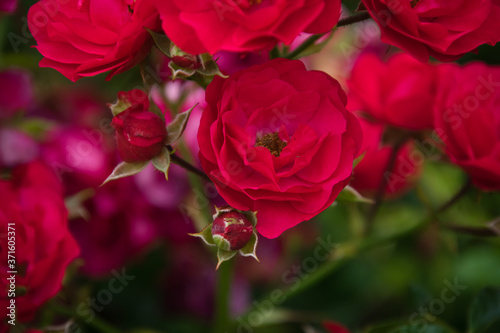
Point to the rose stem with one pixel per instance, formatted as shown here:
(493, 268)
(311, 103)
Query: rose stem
(186, 165)
(222, 297)
(314, 38)
(456, 197)
(379, 196)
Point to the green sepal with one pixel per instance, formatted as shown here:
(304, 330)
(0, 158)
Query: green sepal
(349, 194)
(250, 249)
(177, 126)
(358, 159)
(206, 235)
(224, 256)
(162, 42)
(125, 169)
(162, 161)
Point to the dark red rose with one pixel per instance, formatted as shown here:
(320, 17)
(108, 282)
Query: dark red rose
(140, 134)
(85, 38)
(467, 118)
(444, 29)
(32, 201)
(277, 139)
(400, 92)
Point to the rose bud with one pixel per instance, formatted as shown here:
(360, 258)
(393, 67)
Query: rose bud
(231, 229)
(140, 135)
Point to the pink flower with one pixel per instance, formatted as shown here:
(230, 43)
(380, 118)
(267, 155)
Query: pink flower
(400, 92)
(445, 29)
(277, 139)
(32, 200)
(243, 25)
(82, 38)
(467, 118)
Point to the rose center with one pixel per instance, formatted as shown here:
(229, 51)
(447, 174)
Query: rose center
(272, 142)
(413, 3)
(245, 4)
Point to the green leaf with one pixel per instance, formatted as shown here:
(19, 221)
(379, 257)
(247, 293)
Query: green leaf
(177, 126)
(162, 161)
(224, 256)
(250, 249)
(349, 194)
(162, 42)
(206, 235)
(125, 169)
(484, 310)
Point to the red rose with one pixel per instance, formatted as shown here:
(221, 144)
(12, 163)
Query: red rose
(86, 38)
(277, 139)
(334, 327)
(400, 92)
(243, 25)
(32, 200)
(445, 29)
(373, 167)
(140, 134)
(467, 118)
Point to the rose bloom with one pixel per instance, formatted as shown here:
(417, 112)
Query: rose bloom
(467, 118)
(373, 167)
(244, 25)
(445, 29)
(85, 38)
(277, 139)
(32, 200)
(399, 92)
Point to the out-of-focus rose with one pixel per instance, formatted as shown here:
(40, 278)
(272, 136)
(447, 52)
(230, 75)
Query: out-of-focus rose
(445, 29)
(277, 139)
(373, 167)
(33, 206)
(333, 327)
(81, 157)
(16, 93)
(467, 118)
(400, 92)
(8, 6)
(86, 38)
(243, 26)
(16, 148)
(140, 134)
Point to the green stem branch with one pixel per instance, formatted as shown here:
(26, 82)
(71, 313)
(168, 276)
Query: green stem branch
(222, 297)
(314, 38)
(186, 165)
(97, 323)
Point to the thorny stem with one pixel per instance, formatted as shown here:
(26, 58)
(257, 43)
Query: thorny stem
(314, 38)
(186, 165)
